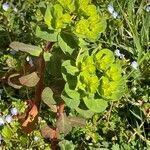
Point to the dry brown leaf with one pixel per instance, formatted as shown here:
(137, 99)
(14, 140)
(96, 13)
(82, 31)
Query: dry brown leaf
(63, 124)
(31, 115)
(29, 80)
(77, 121)
(48, 132)
(13, 84)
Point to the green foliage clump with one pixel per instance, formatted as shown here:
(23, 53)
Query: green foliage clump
(110, 80)
(55, 18)
(88, 81)
(90, 24)
(81, 15)
(87, 65)
(112, 90)
(98, 78)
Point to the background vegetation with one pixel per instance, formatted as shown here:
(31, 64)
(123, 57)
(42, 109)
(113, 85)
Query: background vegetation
(67, 102)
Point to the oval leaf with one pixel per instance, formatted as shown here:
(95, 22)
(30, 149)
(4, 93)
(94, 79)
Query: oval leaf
(67, 43)
(47, 56)
(49, 35)
(47, 97)
(85, 113)
(71, 97)
(29, 80)
(69, 68)
(72, 103)
(48, 16)
(71, 93)
(95, 105)
(31, 49)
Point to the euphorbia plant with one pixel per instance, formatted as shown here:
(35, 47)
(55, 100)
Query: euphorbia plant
(91, 77)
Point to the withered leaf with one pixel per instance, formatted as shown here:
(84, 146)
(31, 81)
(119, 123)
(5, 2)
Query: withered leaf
(29, 80)
(47, 96)
(31, 49)
(31, 115)
(63, 124)
(16, 86)
(48, 132)
(77, 121)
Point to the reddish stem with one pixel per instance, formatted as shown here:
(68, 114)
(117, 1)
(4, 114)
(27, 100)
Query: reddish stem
(41, 69)
(40, 86)
(54, 140)
(60, 109)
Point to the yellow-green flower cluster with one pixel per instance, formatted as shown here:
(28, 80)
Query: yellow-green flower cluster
(90, 24)
(112, 83)
(87, 77)
(100, 73)
(56, 18)
(81, 14)
(68, 5)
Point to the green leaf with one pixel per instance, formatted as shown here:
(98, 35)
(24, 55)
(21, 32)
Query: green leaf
(1, 28)
(69, 68)
(90, 81)
(71, 97)
(72, 103)
(29, 80)
(71, 93)
(67, 4)
(23, 140)
(88, 65)
(85, 113)
(90, 10)
(71, 80)
(95, 105)
(67, 42)
(47, 56)
(115, 147)
(90, 28)
(136, 114)
(82, 4)
(63, 124)
(31, 49)
(47, 96)
(54, 65)
(114, 72)
(66, 145)
(49, 35)
(7, 133)
(48, 16)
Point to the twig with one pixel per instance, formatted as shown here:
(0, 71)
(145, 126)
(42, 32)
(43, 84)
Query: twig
(109, 112)
(136, 132)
